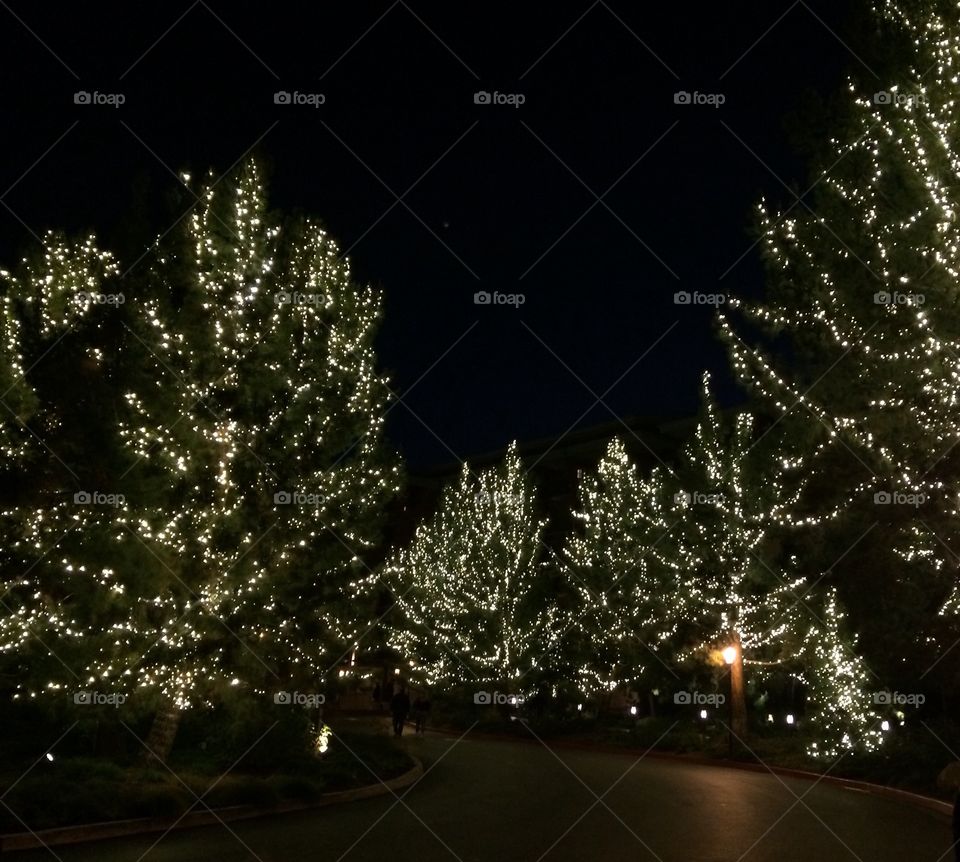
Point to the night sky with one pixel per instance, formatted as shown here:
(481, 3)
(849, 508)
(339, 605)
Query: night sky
(437, 197)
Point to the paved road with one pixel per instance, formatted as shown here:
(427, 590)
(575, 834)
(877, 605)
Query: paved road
(483, 801)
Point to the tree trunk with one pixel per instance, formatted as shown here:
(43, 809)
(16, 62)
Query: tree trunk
(162, 733)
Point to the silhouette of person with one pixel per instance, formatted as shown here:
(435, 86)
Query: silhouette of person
(400, 707)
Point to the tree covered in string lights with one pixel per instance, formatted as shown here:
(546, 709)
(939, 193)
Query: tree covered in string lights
(737, 584)
(67, 606)
(48, 306)
(838, 683)
(732, 504)
(863, 285)
(623, 587)
(471, 590)
(257, 422)
(201, 466)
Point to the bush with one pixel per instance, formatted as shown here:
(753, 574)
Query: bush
(82, 769)
(49, 800)
(296, 788)
(241, 791)
(911, 757)
(81, 790)
(166, 802)
(284, 735)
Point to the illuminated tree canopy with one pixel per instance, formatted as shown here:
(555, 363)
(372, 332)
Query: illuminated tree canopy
(864, 287)
(623, 583)
(471, 589)
(247, 430)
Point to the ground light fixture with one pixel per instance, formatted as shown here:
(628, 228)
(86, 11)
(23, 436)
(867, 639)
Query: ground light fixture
(323, 739)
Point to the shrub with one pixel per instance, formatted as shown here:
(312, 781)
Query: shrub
(296, 788)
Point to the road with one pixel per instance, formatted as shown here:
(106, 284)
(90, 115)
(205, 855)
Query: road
(491, 801)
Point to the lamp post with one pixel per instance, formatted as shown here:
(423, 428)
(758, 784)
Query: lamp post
(733, 657)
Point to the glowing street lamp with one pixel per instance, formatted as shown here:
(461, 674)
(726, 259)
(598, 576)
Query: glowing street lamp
(730, 654)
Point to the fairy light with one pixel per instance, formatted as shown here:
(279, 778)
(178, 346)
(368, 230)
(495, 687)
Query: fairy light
(470, 587)
(687, 548)
(259, 379)
(910, 245)
(872, 292)
(838, 682)
(617, 573)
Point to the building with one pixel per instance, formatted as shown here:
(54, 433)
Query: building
(555, 465)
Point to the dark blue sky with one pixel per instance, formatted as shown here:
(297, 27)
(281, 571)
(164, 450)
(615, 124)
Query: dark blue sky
(503, 198)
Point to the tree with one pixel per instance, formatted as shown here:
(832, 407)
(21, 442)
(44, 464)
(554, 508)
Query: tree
(471, 588)
(837, 682)
(737, 585)
(67, 585)
(859, 328)
(221, 426)
(257, 423)
(621, 583)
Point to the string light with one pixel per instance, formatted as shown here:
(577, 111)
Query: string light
(251, 435)
(471, 587)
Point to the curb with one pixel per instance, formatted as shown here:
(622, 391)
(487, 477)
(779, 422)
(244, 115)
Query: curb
(930, 803)
(146, 825)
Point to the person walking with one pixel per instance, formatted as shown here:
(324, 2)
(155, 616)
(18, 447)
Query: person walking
(421, 708)
(400, 707)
